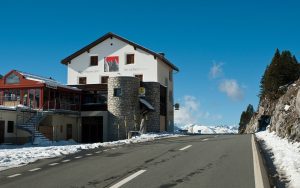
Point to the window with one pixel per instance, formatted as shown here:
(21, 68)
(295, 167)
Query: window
(12, 79)
(130, 59)
(104, 79)
(139, 76)
(117, 92)
(10, 126)
(170, 75)
(94, 61)
(82, 80)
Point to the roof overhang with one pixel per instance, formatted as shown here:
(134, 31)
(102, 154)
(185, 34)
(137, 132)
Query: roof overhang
(146, 104)
(68, 59)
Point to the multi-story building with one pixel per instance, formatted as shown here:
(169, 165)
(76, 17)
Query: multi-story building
(123, 86)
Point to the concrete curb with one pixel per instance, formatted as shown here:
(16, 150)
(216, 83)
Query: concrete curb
(260, 172)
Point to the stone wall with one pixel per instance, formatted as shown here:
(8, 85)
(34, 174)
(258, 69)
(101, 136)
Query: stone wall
(153, 97)
(123, 110)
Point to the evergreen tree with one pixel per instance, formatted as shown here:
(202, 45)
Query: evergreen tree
(1, 76)
(245, 118)
(284, 69)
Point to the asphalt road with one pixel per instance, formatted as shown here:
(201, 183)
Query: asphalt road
(208, 161)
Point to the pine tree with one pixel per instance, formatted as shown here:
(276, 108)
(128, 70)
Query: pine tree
(245, 118)
(1, 76)
(284, 69)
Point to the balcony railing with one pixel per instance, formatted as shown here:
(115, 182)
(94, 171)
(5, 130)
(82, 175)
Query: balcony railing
(10, 101)
(55, 104)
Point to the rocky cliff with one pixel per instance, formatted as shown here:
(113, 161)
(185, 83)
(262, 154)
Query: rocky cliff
(284, 113)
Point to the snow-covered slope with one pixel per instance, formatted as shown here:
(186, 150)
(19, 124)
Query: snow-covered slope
(194, 128)
(286, 156)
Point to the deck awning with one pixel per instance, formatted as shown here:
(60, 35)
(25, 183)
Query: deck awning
(146, 104)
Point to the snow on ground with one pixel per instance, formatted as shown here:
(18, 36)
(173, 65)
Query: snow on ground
(286, 156)
(14, 156)
(194, 128)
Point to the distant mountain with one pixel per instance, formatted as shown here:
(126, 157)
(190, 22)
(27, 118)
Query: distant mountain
(194, 128)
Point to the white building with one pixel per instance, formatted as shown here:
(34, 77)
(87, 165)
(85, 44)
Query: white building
(114, 56)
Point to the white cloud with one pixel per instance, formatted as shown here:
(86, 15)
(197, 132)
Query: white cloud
(232, 89)
(216, 70)
(190, 112)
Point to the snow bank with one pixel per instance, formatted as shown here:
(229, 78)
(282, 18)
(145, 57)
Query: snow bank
(193, 128)
(286, 156)
(14, 156)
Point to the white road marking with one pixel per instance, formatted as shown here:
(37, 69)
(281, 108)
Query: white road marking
(98, 151)
(129, 178)
(53, 164)
(205, 139)
(35, 169)
(88, 154)
(105, 150)
(257, 170)
(186, 147)
(65, 161)
(78, 157)
(113, 148)
(14, 175)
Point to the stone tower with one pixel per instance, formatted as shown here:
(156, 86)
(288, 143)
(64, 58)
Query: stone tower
(123, 106)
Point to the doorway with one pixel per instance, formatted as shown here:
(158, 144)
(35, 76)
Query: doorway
(69, 131)
(2, 130)
(92, 129)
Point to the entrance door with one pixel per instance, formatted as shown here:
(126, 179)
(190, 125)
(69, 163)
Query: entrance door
(92, 129)
(2, 128)
(69, 131)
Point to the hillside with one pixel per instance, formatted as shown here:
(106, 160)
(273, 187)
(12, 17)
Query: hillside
(284, 113)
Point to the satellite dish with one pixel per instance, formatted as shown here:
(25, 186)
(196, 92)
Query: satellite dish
(176, 106)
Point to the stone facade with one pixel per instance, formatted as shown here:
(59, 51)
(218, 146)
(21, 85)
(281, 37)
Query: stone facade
(123, 110)
(153, 97)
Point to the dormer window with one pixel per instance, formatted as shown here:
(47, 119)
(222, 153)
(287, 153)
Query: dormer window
(130, 59)
(93, 60)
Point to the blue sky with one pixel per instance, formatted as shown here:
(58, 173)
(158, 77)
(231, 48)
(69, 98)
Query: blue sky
(237, 38)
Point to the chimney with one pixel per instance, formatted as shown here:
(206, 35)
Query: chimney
(162, 54)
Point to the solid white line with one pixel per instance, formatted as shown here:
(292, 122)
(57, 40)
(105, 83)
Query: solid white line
(78, 157)
(119, 184)
(53, 164)
(88, 154)
(15, 175)
(256, 165)
(65, 161)
(35, 169)
(98, 151)
(205, 139)
(186, 147)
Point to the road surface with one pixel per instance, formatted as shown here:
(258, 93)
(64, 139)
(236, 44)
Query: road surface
(193, 161)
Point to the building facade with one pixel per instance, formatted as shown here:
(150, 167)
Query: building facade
(114, 86)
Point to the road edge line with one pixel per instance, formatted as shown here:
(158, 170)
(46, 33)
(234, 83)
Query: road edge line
(258, 167)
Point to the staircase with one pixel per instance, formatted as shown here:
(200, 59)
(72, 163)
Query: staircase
(31, 125)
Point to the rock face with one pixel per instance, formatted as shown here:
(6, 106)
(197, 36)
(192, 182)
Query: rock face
(284, 112)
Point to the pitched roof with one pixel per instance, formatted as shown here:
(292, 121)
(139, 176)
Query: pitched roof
(48, 81)
(112, 35)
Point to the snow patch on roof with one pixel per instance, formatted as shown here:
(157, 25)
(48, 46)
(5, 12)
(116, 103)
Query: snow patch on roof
(48, 81)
